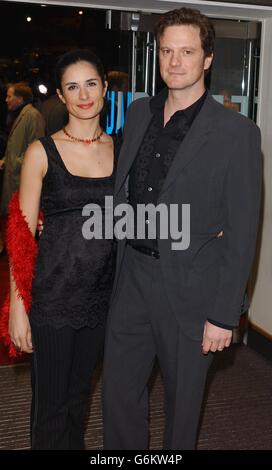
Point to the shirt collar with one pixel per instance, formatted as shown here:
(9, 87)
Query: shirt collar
(158, 101)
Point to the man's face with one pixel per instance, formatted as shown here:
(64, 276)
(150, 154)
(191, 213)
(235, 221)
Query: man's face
(13, 101)
(182, 60)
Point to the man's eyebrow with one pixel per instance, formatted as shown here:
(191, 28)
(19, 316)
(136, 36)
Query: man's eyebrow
(183, 47)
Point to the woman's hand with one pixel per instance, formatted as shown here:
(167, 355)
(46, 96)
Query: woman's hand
(40, 226)
(19, 327)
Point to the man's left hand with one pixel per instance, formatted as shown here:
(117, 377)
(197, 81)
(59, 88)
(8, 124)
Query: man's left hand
(215, 338)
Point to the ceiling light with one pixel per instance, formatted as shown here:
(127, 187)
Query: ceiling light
(42, 89)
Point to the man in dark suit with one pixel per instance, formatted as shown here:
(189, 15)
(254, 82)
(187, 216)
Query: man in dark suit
(180, 147)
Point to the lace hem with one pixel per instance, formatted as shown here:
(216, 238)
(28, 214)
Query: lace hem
(75, 316)
(61, 322)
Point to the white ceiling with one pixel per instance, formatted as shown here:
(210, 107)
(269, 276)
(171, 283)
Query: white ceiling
(211, 8)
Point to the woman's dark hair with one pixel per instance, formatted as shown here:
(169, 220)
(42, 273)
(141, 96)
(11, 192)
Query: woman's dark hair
(73, 57)
(188, 16)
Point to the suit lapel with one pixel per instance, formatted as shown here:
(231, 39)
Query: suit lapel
(186, 152)
(130, 147)
(192, 143)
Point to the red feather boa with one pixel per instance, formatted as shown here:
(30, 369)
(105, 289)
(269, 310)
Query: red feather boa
(22, 251)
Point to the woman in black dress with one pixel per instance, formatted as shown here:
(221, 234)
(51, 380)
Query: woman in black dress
(73, 275)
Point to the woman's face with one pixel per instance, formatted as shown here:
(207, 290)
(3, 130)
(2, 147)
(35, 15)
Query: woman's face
(82, 90)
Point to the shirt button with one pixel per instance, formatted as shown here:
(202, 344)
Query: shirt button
(157, 155)
(149, 188)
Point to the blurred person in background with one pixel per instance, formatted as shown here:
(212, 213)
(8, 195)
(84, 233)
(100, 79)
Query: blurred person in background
(54, 113)
(28, 126)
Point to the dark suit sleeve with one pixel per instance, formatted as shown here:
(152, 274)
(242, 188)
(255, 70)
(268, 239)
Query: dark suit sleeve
(241, 203)
(221, 325)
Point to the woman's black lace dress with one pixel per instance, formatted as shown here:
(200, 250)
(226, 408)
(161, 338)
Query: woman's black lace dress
(73, 275)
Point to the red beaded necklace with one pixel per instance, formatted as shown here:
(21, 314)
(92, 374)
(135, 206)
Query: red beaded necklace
(85, 141)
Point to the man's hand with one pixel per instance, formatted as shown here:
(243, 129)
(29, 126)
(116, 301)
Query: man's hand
(215, 338)
(2, 163)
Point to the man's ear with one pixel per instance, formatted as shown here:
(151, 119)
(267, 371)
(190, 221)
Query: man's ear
(20, 100)
(61, 97)
(208, 62)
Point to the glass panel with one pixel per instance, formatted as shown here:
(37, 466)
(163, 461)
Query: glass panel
(145, 64)
(233, 79)
(125, 43)
(132, 80)
(131, 76)
(119, 56)
(234, 74)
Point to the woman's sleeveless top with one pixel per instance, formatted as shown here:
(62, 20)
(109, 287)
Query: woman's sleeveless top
(74, 274)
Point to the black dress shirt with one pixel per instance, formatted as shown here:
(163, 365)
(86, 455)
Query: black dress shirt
(155, 157)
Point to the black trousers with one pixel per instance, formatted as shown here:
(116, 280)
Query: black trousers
(62, 366)
(140, 327)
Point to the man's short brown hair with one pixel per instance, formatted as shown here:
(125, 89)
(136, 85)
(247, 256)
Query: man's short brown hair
(188, 16)
(23, 90)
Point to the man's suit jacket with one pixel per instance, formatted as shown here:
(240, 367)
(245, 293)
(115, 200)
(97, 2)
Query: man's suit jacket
(217, 169)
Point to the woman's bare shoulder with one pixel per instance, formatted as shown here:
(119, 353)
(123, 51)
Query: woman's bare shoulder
(35, 156)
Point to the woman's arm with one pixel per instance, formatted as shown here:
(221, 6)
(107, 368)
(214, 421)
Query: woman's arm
(33, 170)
